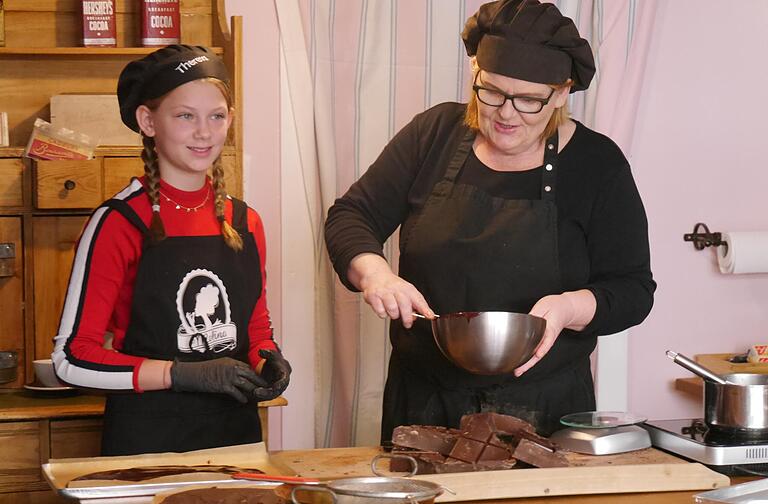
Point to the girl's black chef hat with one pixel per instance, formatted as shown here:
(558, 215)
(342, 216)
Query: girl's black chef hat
(162, 71)
(527, 40)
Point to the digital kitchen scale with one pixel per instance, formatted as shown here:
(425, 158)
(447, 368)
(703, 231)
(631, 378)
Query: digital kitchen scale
(601, 433)
(728, 453)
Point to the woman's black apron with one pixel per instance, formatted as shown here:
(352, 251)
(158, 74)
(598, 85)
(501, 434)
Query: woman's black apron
(192, 301)
(469, 251)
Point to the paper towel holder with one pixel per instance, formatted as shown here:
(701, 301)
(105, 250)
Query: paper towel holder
(702, 237)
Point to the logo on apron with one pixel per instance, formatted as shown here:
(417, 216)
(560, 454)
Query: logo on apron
(202, 303)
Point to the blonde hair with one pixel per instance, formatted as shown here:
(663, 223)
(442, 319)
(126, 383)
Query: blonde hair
(559, 116)
(152, 172)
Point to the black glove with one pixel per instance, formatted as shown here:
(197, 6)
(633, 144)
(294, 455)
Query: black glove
(276, 372)
(224, 375)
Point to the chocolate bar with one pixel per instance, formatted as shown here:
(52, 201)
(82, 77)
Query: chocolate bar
(539, 456)
(435, 463)
(485, 441)
(425, 437)
(480, 426)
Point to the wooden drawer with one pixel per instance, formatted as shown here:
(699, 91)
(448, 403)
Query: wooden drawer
(10, 182)
(20, 464)
(68, 184)
(76, 438)
(118, 173)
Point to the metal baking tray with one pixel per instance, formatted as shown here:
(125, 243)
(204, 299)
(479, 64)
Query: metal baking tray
(753, 492)
(144, 489)
(59, 472)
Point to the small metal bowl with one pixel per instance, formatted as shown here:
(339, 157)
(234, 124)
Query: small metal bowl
(488, 343)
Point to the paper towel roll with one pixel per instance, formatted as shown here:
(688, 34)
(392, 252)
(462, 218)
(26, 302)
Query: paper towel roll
(747, 252)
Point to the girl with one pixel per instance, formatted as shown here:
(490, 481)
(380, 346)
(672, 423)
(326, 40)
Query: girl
(174, 269)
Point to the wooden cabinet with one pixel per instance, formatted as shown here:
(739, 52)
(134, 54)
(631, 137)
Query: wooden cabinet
(35, 429)
(43, 204)
(31, 444)
(10, 182)
(55, 239)
(12, 293)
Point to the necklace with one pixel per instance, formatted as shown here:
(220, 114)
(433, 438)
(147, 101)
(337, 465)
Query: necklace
(179, 206)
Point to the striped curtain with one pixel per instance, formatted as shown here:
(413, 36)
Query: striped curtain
(362, 69)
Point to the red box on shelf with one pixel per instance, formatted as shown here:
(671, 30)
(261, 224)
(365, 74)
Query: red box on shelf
(160, 22)
(99, 23)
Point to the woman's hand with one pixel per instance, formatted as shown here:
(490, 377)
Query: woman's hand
(386, 293)
(569, 310)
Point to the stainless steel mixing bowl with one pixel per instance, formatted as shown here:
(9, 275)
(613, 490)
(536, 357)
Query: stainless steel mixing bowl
(488, 343)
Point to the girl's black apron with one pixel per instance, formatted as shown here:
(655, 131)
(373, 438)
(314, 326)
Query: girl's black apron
(469, 251)
(192, 301)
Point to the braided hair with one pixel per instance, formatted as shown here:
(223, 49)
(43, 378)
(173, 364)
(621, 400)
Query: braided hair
(152, 173)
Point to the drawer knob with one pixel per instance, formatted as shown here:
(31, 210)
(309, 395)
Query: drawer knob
(69, 185)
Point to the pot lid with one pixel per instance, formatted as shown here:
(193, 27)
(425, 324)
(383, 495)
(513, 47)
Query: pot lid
(387, 488)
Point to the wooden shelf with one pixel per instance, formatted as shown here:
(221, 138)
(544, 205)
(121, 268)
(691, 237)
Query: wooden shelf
(82, 51)
(6, 152)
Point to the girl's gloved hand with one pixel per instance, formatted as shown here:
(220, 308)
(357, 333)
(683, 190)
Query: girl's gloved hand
(276, 374)
(224, 375)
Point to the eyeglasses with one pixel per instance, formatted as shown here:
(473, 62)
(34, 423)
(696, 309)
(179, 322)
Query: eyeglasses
(523, 104)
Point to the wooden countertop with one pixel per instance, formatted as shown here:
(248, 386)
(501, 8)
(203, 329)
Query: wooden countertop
(646, 476)
(23, 404)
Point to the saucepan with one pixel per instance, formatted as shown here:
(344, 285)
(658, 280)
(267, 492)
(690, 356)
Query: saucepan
(490, 342)
(735, 403)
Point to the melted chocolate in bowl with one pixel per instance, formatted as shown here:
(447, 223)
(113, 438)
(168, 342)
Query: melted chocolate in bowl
(488, 343)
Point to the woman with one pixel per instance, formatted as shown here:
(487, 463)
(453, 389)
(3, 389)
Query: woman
(174, 268)
(504, 204)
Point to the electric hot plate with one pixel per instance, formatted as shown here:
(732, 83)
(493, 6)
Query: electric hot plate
(731, 453)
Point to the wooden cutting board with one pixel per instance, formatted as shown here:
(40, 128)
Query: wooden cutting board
(648, 470)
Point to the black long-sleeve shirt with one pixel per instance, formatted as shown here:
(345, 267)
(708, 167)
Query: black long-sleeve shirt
(602, 227)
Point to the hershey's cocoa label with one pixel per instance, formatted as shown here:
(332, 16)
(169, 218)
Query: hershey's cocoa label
(99, 23)
(160, 22)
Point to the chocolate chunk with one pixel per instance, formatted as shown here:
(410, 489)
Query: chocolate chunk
(477, 427)
(510, 424)
(425, 437)
(467, 450)
(491, 452)
(532, 436)
(539, 456)
(424, 460)
(495, 441)
(484, 442)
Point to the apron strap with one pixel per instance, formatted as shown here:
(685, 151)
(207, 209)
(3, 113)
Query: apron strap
(129, 213)
(548, 177)
(239, 214)
(457, 161)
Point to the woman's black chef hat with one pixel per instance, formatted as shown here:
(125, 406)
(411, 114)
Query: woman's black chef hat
(527, 40)
(162, 71)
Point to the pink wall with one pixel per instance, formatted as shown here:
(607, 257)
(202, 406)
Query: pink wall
(261, 144)
(698, 156)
